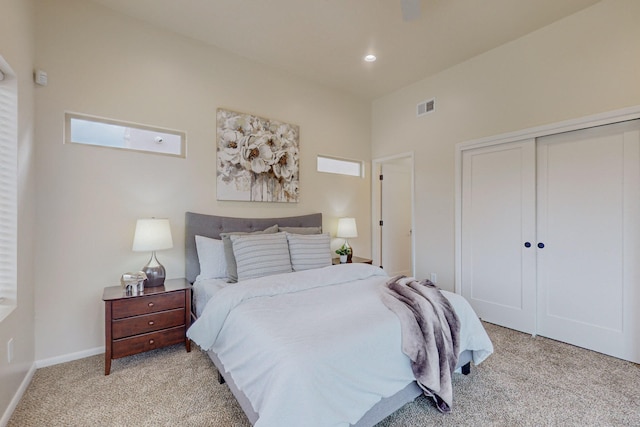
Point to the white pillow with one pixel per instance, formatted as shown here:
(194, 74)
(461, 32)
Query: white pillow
(309, 251)
(213, 264)
(260, 255)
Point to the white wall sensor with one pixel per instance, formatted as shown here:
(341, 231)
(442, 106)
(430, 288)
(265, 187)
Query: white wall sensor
(40, 77)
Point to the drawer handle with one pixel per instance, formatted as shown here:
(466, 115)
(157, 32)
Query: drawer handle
(151, 341)
(151, 322)
(150, 304)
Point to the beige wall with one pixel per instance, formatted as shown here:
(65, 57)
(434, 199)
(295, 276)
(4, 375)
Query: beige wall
(17, 48)
(105, 64)
(582, 65)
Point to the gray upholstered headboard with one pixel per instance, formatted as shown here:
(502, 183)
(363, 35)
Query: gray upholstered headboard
(213, 225)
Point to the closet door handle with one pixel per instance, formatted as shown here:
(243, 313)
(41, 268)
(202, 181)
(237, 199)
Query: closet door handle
(527, 244)
(541, 245)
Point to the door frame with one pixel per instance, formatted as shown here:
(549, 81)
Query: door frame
(376, 203)
(610, 117)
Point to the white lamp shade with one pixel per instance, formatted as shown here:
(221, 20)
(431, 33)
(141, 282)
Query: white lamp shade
(152, 234)
(347, 228)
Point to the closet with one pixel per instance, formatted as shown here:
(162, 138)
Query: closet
(549, 236)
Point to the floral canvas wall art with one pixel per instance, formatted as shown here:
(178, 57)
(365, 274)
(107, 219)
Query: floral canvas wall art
(257, 158)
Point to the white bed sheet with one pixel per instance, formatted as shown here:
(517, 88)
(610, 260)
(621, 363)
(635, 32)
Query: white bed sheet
(204, 290)
(267, 334)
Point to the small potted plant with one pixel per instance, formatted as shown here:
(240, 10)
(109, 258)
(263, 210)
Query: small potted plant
(343, 251)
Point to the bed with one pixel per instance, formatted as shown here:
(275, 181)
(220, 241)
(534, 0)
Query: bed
(315, 344)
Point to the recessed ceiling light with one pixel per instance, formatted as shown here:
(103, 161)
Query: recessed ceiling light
(370, 58)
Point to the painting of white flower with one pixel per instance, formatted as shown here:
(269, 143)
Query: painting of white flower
(257, 158)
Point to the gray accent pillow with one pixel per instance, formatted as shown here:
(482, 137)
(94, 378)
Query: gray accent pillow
(309, 251)
(259, 255)
(301, 230)
(232, 267)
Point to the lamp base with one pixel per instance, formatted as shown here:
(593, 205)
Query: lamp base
(349, 250)
(155, 273)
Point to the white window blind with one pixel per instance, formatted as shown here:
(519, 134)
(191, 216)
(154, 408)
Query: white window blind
(8, 189)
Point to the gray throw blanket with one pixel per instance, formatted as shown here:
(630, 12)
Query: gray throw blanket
(430, 334)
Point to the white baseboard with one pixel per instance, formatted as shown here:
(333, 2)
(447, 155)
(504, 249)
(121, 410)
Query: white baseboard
(69, 357)
(16, 398)
(42, 364)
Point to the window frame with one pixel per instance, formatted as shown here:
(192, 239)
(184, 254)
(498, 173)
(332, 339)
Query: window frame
(68, 116)
(8, 190)
(360, 164)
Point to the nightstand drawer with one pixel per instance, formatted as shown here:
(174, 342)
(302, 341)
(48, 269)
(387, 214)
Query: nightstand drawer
(140, 343)
(147, 304)
(137, 323)
(147, 323)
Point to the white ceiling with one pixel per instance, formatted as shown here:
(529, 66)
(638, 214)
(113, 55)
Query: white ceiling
(326, 40)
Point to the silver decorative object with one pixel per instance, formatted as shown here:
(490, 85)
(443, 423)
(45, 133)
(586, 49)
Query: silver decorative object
(133, 283)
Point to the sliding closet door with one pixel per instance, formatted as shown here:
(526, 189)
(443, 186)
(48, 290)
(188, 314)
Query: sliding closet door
(588, 222)
(497, 233)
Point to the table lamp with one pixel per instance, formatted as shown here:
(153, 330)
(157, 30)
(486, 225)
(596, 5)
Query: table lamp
(346, 230)
(153, 234)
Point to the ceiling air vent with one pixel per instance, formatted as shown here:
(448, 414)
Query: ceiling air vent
(426, 107)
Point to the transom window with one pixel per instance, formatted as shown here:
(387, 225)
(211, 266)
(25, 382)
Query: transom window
(83, 129)
(340, 166)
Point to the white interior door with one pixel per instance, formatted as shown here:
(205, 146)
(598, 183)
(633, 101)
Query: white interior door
(498, 233)
(588, 221)
(396, 239)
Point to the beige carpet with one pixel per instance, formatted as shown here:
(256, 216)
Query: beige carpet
(526, 382)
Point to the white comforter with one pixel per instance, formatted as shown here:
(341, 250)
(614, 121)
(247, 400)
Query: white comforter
(317, 345)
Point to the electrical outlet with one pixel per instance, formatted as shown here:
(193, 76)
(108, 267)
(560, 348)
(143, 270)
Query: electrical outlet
(10, 350)
(434, 278)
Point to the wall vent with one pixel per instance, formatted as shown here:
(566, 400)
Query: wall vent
(426, 107)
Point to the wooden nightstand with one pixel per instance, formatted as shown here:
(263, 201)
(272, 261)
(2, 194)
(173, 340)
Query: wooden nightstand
(354, 259)
(135, 324)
